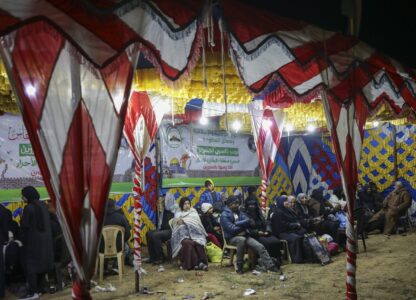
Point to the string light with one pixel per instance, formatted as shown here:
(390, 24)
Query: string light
(236, 125)
(310, 128)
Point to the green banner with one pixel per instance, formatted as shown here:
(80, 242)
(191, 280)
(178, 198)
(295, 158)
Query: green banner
(218, 181)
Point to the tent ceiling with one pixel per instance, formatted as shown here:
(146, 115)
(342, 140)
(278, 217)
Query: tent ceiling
(148, 79)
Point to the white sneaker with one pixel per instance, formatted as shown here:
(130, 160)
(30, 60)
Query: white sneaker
(30, 296)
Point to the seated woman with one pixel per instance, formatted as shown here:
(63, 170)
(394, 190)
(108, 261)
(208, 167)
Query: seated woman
(286, 225)
(304, 213)
(261, 231)
(211, 224)
(189, 237)
(321, 209)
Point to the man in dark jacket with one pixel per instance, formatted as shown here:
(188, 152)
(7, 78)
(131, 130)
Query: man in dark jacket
(115, 216)
(163, 233)
(4, 236)
(37, 241)
(234, 224)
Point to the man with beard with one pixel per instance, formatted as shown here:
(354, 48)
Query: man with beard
(235, 224)
(394, 206)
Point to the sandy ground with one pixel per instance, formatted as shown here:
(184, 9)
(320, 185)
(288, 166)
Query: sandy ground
(386, 271)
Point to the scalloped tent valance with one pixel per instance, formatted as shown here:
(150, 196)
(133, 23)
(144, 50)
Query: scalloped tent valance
(265, 48)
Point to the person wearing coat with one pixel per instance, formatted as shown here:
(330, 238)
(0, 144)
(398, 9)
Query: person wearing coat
(235, 224)
(4, 237)
(261, 231)
(163, 232)
(322, 210)
(210, 196)
(394, 206)
(36, 234)
(286, 226)
(211, 224)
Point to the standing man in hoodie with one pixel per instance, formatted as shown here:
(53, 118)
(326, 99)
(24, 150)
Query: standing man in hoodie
(210, 196)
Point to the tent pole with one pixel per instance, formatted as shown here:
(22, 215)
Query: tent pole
(351, 292)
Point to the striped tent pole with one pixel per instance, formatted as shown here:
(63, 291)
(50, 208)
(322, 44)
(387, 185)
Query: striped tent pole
(263, 191)
(351, 251)
(346, 123)
(137, 195)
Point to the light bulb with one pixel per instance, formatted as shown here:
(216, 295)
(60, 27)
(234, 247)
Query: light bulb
(236, 125)
(311, 128)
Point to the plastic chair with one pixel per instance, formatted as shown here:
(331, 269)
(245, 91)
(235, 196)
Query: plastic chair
(233, 251)
(404, 221)
(286, 251)
(109, 236)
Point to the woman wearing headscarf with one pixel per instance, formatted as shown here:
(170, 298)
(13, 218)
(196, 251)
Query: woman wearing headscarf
(189, 237)
(261, 230)
(286, 226)
(322, 210)
(37, 241)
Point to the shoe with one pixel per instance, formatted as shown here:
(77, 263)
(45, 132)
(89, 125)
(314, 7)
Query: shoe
(239, 269)
(30, 296)
(203, 267)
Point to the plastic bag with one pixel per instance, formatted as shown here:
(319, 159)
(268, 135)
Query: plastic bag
(214, 252)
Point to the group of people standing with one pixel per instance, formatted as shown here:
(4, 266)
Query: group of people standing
(30, 248)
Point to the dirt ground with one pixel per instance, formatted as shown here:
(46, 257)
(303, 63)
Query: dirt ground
(386, 271)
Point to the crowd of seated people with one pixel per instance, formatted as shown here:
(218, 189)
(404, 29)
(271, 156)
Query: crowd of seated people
(33, 249)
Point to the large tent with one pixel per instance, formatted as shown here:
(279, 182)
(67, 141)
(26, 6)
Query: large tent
(71, 66)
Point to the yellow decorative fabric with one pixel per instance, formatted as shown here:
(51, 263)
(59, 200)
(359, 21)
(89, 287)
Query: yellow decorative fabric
(145, 223)
(279, 182)
(378, 157)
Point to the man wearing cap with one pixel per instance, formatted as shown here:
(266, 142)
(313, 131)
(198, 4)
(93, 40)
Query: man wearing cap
(234, 224)
(210, 196)
(163, 233)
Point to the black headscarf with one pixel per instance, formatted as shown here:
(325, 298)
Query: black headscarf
(30, 193)
(32, 196)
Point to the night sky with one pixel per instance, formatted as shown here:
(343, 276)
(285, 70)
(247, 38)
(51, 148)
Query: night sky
(387, 25)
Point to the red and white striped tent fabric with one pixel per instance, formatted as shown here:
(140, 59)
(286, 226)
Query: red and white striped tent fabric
(267, 128)
(71, 62)
(144, 114)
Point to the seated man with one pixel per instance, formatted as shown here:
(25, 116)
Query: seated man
(371, 199)
(235, 224)
(210, 196)
(394, 206)
(163, 233)
(115, 216)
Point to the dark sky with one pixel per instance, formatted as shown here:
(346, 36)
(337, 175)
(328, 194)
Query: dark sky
(387, 25)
